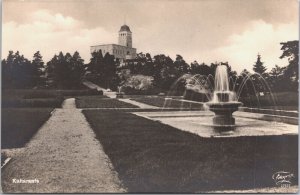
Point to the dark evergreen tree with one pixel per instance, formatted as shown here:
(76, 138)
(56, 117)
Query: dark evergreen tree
(95, 67)
(6, 66)
(17, 71)
(77, 69)
(258, 82)
(38, 69)
(65, 71)
(258, 67)
(109, 74)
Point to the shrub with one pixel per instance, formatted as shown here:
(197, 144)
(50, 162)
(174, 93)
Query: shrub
(195, 96)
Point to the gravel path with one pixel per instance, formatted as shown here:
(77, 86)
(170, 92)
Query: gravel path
(64, 157)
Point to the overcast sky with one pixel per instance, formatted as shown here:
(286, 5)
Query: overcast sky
(203, 30)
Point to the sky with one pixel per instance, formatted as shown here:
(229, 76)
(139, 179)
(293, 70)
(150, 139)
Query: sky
(232, 31)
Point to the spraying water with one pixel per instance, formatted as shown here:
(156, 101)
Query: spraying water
(221, 79)
(222, 92)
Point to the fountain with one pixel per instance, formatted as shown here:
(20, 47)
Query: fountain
(119, 92)
(224, 102)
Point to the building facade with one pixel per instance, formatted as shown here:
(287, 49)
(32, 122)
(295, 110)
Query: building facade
(121, 51)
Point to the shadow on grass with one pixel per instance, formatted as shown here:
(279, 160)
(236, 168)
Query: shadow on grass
(153, 157)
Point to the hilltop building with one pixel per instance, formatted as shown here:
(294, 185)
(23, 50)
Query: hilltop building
(121, 51)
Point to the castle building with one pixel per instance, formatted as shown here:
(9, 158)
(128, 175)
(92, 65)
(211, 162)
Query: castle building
(121, 51)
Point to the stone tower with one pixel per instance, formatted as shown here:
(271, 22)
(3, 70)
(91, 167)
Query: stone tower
(125, 36)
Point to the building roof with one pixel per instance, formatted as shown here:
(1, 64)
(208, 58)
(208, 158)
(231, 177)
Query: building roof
(113, 46)
(125, 28)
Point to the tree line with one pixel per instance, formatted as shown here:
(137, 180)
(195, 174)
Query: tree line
(158, 72)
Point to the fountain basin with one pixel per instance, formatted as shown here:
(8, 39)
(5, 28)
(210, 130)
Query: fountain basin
(223, 113)
(120, 95)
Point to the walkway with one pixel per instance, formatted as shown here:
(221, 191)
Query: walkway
(139, 104)
(91, 85)
(64, 157)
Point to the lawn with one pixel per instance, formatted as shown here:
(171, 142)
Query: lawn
(280, 100)
(21, 98)
(20, 124)
(168, 103)
(153, 157)
(25, 110)
(101, 102)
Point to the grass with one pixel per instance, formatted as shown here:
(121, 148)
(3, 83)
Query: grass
(153, 157)
(32, 103)
(101, 102)
(288, 108)
(29, 98)
(25, 110)
(169, 103)
(40, 97)
(281, 99)
(20, 124)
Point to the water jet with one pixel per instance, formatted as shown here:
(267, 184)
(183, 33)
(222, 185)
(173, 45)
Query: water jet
(224, 101)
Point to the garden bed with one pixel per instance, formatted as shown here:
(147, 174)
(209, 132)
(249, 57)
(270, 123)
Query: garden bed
(153, 157)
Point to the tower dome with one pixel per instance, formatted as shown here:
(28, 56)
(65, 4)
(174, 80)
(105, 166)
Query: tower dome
(125, 28)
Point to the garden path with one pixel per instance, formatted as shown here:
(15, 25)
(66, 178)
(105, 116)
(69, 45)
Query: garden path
(64, 156)
(111, 94)
(139, 104)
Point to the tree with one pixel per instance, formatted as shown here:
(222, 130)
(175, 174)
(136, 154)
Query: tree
(165, 73)
(109, 75)
(6, 66)
(277, 80)
(17, 71)
(77, 69)
(277, 72)
(291, 51)
(38, 69)
(195, 67)
(95, 67)
(181, 67)
(258, 67)
(65, 71)
(103, 70)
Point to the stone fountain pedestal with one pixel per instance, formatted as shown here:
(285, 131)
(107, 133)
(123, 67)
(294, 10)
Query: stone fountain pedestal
(223, 110)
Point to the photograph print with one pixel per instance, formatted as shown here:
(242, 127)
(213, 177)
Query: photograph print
(149, 96)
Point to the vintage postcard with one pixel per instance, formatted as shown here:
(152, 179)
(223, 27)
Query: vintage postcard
(149, 96)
